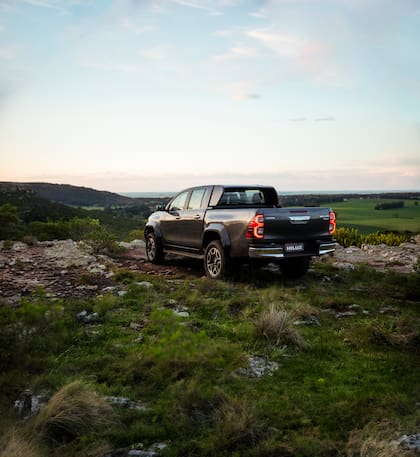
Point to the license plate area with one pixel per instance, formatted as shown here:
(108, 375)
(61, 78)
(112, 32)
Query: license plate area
(294, 247)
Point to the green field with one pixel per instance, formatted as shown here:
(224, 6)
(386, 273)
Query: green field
(361, 214)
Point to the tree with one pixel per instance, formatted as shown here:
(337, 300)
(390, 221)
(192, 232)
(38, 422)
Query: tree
(9, 222)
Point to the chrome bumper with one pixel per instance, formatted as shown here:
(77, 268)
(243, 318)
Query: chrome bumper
(270, 252)
(327, 248)
(277, 252)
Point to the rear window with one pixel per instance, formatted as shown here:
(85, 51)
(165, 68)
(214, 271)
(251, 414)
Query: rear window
(245, 197)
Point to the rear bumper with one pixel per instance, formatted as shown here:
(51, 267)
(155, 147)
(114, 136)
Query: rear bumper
(277, 252)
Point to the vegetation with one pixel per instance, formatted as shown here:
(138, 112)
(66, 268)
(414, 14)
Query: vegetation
(390, 205)
(24, 213)
(71, 195)
(361, 215)
(347, 386)
(352, 237)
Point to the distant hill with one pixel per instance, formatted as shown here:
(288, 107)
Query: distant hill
(72, 195)
(33, 207)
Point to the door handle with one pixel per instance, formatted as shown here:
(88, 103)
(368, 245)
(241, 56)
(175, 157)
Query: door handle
(197, 216)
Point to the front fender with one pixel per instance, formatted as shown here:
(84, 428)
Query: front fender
(153, 226)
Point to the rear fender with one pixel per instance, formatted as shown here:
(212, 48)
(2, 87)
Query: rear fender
(216, 232)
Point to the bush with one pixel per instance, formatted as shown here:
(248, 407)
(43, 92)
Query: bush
(9, 223)
(103, 242)
(347, 237)
(391, 205)
(31, 332)
(51, 230)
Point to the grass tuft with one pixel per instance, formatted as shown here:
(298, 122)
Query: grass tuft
(15, 444)
(238, 425)
(276, 326)
(402, 333)
(71, 412)
(376, 440)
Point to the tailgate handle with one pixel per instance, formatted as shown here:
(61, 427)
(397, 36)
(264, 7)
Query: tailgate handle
(299, 219)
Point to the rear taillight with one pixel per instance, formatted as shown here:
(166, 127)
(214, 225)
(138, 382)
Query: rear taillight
(255, 228)
(333, 223)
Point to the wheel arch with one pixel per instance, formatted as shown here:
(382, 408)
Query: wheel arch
(216, 232)
(153, 227)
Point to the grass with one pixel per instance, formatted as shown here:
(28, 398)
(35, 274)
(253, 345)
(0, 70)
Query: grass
(335, 386)
(360, 214)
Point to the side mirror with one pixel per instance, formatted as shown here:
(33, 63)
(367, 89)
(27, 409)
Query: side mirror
(160, 207)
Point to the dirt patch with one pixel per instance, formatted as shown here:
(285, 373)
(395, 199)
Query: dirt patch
(67, 269)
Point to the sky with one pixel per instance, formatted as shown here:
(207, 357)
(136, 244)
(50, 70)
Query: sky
(160, 95)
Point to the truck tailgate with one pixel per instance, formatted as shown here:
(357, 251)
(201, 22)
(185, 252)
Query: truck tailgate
(295, 224)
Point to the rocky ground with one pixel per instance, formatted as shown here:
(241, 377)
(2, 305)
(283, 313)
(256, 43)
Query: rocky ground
(70, 269)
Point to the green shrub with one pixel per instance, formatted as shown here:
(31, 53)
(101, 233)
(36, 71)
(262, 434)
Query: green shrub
(81, 227)
(51, 230)
(10, 228)
(135, 235)
(351, 237)
(34, 329)
(103, 242)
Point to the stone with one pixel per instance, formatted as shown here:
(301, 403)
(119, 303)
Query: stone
(345, 314)
(29, 404)
(135, 326)
(122, 293)
(181, 313)
(19, 246)
(309, 320)
(140, 453)
(258, 367)
(87, 318)
(132, 244)
(344, 266)
(411, 442)
(124, 402)
(144, 284)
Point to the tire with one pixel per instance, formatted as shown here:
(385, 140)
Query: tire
(295, 267)
(154, 250)
(216, 261)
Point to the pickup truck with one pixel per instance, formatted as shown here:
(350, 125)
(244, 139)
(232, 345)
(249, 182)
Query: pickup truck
(226, 224)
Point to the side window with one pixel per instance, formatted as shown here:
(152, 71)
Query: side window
(179, 202)
(196, 198)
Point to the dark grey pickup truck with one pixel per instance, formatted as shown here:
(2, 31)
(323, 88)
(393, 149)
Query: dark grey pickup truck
(225, 224)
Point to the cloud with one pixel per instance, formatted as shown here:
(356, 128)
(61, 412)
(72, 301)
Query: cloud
(159, 52)
(281, 43)
(236, 52)
(49, 4)
(324, 119)
(8, 53)
(240, 91)
(297, 119)
(260, 14)
(357, 177)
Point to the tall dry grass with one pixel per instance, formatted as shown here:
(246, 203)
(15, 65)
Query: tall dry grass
(74, 410)
(276, 326)
(376, 440)
(16, 444)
